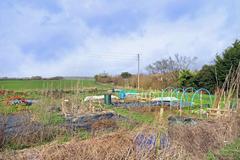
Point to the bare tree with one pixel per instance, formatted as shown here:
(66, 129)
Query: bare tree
(167, 65)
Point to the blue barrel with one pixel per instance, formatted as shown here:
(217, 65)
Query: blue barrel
(122, 95)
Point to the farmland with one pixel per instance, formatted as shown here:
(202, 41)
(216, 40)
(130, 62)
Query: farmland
(52, 123)
(48, 84)
(174, 115)
(119, 80)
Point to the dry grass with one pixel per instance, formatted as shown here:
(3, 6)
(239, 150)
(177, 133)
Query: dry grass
(229, 90)
(103, 125)
(113, 146)
(205, 136)
(186, 142)
(211, 135)
(1, 137)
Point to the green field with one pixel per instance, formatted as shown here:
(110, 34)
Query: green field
(49, 84)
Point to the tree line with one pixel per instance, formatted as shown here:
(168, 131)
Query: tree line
(177, 71)
(212, 76)
(33, 78)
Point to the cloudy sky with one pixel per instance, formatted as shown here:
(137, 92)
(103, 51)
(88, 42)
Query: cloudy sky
(85, 37)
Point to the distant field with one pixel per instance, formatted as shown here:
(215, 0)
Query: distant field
(49, 84)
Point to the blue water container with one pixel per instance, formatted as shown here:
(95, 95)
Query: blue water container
(122, 95)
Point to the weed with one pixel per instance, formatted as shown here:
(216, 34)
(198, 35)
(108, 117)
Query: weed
(126, 125)
(64, 138)
(231, 150)
(14, 146)
(138, 117)
(83, 134)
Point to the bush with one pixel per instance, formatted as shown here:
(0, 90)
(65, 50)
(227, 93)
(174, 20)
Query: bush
(36, 77)
(103, 78)
(153, 81)
(126, 75)
(186, 79)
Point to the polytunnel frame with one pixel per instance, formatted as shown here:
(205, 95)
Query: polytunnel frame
(163, 91)
(185, 92)
(196, 92)
(166, 89)
(177, 91)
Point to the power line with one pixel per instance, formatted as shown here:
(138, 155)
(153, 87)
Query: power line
(115, 57)
(103, 56)
(138, 59)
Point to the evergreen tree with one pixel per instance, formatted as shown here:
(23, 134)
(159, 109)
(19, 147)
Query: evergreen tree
(228, 60)
(213, 76)
(206, 78)
(186, 79)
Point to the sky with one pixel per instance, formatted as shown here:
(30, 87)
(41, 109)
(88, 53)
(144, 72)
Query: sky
(86, 37)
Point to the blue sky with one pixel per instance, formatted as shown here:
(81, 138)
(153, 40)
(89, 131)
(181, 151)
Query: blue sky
(85, 37)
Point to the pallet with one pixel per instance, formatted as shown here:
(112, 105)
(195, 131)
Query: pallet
(215, 112)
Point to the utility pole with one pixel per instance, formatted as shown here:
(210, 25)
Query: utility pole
(138, 59)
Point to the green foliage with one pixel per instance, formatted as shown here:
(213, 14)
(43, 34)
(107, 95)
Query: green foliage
(83, 134)
(51, 118)
(103, 78)
(211, 156)
(36, 77)
(45, 117)
(126, 125)
(56, 119)
(206, 78)
(136, 116)
(14, 146)
(213, 76)
(67, 136)
(229, 59)
(231, 150)
(64, 138)
(13, 109)
(126, 75)
(186, 79)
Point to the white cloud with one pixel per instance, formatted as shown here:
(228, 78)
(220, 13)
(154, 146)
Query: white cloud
(92, 50)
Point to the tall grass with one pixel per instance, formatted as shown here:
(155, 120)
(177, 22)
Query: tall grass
(229, 93)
